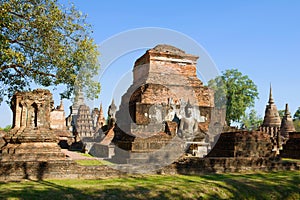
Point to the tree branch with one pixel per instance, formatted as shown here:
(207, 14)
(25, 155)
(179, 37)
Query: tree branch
(18, 15)
(20, 43)
(15, 67)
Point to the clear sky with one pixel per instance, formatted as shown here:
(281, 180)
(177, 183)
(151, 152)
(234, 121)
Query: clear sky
(259, 38)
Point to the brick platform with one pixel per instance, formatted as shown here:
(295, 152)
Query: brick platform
(291, 149)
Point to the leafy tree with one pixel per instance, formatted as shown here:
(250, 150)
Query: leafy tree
(219, 87)
(44, 43)
(281, 113)
(6, 129)
(252, 120)
(297, 114)
(296, 120)
(235, 91)
(297, 125)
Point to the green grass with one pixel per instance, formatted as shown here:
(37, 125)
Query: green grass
(276, 185)
(93, 162)
(86, 154)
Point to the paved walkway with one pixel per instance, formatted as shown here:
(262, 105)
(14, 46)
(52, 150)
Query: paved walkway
(76, 156)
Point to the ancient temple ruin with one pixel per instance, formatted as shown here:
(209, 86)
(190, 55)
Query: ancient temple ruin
(290, 138)
(164, 82)
(57, 117)
(87, 126)
(287, 125)
(272, 121)
(31, 137)
(277, 129)
(101, 121)
(149, 128)
(83, 122)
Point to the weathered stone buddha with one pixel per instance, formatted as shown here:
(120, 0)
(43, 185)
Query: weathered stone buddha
(112, 109)
(188, 124)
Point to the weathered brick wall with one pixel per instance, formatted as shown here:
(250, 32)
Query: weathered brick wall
(162, 73)
(243, 144)
(57, 120)
(291, 149)
(10, 171)
(194, 165)
(2, 141)
(15, 171)
(163, 76)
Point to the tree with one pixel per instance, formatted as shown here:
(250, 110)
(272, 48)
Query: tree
(252, 120)
(296, 120)
(44, 43)
(297, 114)
(297, 125)
(234, 91)
(281, 113)
(6, 129)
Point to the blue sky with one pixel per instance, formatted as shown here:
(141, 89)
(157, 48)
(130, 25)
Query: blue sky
(259, 38)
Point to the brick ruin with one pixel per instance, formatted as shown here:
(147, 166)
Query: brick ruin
(272, 122)
(165, 79)
(2, 141)
(31, 137)
(144, 129)
(241, 144)
(271, 139)
(83, 122)
(291, 149)
(291, 138)
(277, 129)
(57, 117)
(101, 121)
(164, 82)
(86, 125)
(287, 125)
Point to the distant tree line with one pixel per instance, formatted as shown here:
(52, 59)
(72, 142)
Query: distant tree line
(6, 129)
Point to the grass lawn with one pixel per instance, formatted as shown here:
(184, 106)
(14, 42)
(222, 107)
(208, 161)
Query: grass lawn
(93, 162)
(275, 185)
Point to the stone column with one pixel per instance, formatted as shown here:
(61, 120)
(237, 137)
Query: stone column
(23, 114)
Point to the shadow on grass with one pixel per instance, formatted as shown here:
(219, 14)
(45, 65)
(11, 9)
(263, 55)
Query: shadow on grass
(279, 185)
(36, 190)
(40, 190)
(275, 185)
